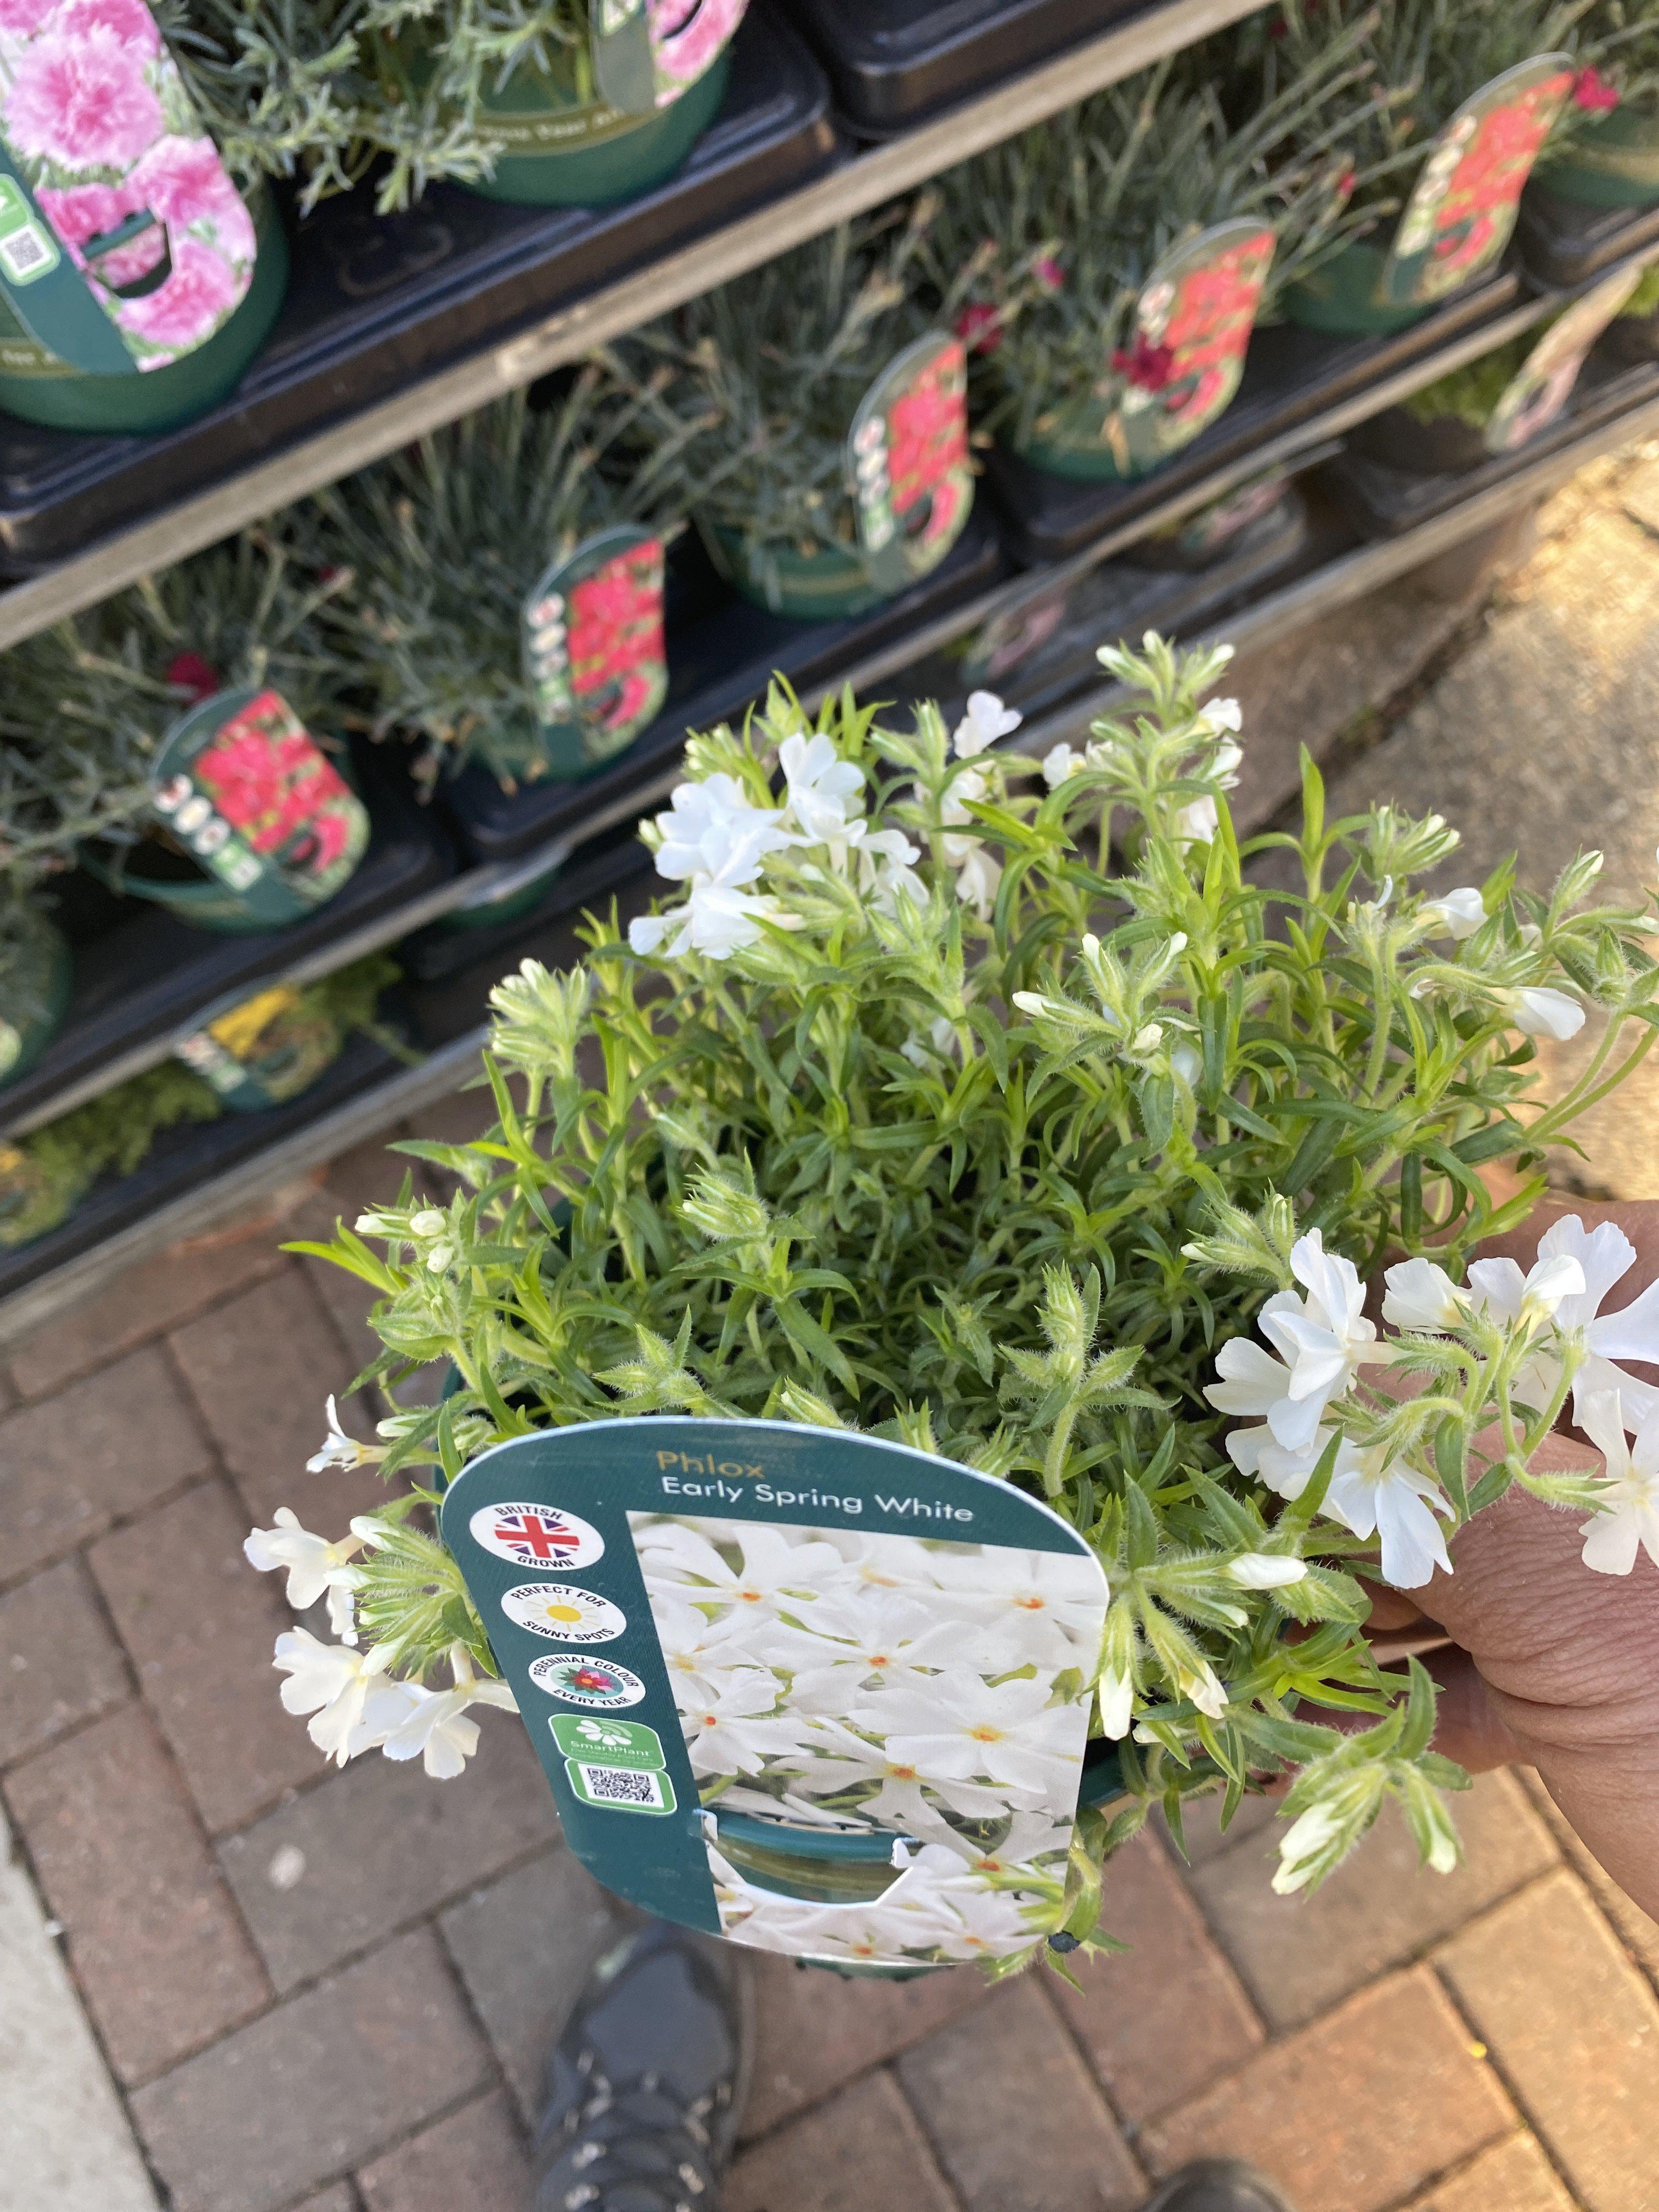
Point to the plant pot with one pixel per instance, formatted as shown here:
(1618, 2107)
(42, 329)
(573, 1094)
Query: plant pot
(825, 586)
(1342, 295)
(37, 998)
(1443, 445)
(605, 155)
(1630, 339)
(1614, 164)
(265, 1052)
(37, 387)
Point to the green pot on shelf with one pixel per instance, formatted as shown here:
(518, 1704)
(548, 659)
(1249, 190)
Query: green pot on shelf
(828, 585)
(558, 151)
(36, 998)
(1613, 163)
(1342, 295)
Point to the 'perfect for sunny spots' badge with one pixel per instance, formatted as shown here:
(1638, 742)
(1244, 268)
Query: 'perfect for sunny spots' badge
(816, 1692)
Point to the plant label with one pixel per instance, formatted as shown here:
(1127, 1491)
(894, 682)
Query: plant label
(595, 657)
(647, 53)
(1462, 208)
(241, 785)
(624, 63)
(816, 1692)
(1200, 536)
(907, 462)
(1185, 354)
(1542, 386)
(263, 1052)
(123, 244)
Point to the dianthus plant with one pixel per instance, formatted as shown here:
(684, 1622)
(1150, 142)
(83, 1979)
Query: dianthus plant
(1007, 1112)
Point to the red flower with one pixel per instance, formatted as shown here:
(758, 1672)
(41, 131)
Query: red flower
(1148, 368)
(1049, 275)
(980, 327)
(1345, 183)
(1592, 91)
(188, 672)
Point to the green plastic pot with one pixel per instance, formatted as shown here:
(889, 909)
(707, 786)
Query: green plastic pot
(490, 913)
(36, 387)
(606, 156)
(34, 1011)
(827, 586)
(1614, 164)
(1341, 295)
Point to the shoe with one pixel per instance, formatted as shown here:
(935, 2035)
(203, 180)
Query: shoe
(1218, 2184)
(645, 2087)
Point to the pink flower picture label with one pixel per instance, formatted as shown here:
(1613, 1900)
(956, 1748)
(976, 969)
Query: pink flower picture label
(907, 461)
(155, 247)
(1462, 208)
(647, 53)
(240, 784)
(594, 652)
(1536, 395)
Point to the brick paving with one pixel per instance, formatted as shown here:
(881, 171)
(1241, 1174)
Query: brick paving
(322, 1992)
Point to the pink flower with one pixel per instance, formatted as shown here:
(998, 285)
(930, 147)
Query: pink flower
(79, 212)
(188, 672)
(184, 180)
(130, 20)
(688, 37)
(82, 102)
(1050, 277)
(1592, 91)
(21, 19)
(980, 327)
(190, 307)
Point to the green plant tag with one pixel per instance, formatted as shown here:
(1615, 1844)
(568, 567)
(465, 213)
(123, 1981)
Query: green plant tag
(123, 244)
(1182, 367)
(819, 1694)
(1544, 383)
(907, 462)
(1462, 208)
(594, 654)
(246, 790)
(624, 65)
(264, 1051)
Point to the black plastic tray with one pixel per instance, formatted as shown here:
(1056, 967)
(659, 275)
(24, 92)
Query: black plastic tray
(718, 661)
(376, 302)
(1381, 502)
(896, 62)
(140, 973)
(1565, 243)
(1291, 376)
(449, 969)
(185, 1158)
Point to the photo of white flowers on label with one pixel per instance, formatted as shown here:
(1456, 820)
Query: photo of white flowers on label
(933, 1692)
(565, 1613)
(538, 1536)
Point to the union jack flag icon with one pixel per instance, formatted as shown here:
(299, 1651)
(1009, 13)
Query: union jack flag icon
(537, 1536)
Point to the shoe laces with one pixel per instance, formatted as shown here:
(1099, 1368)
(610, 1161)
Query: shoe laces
(638, 2139)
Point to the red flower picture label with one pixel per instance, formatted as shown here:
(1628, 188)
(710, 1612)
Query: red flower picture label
(595, 653)
(1463, 209)
(907, 463)
(241, 783)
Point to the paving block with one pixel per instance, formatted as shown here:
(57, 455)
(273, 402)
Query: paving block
(65, 2143)
(1574, 2029)
(58, 1662)
(523, 1945)
(1164, 2017)
(154, 1940)
(261, 1368)
(341, 2197)
(1202, 1836)
(317, 2087)
(1354, 2113)
(475, 2157)
(200, 1624)
(815, 2031)
(1638, 1930)
(862, 2152)
(98, 1451)
(1299, 1955)
(1512, 2177)
(143, 1301)
(991, 2086)
(381, 1843)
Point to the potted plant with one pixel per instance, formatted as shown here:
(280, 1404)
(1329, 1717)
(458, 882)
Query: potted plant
(1125, 250)
(446, 557)
(1609, 158)
(1456, 102)
(176, 737)
(45, 1175)
(36, 971)
(546, 103)
(983, 1117)
(779, 373)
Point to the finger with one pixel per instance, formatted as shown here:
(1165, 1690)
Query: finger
(1468, 1725)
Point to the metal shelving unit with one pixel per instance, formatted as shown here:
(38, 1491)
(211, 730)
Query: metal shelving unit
(866, 179)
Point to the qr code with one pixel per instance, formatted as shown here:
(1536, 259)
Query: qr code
(25, 252)
(620, 1785)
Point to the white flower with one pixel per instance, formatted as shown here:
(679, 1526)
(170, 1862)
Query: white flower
(1205, 1689)
(313, 1563)
(978, 872)
(962, 1728)
(413, 1721)
(1044, 1605)
(1267, 1570)
(1459, 913)
(1421, 1296)
(333, 1685)
(1603, 1255)
(825, 791)
(1324, 1339)
(941, 1034)
(1117, 1703)
(887, 867)
(900, 1802)
(1223, 714)
(716, 919)
(1185, 1065)
(1299, 1847)
(1537, 1011)
(775, 1574)
(1058, 763)
(1631, 1522)
(739, 1730)
(986, 720)
(338, 1448)
(713, 830)
(1198, 821)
